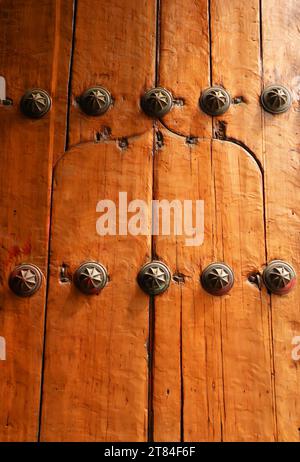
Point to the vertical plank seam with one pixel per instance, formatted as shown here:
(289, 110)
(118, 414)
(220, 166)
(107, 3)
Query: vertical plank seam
(151, 324)
(50, 224)
(56, 48)
(210, 41)
(181, 374)
(67, 142)
(157, 40)
(223, 413)
(151, 339)
(270, 316)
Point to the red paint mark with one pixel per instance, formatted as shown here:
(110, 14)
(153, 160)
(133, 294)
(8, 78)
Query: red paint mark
(15, 251)
(26, 250)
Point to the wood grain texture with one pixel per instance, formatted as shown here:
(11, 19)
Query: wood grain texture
(221, 367)
(281, 151)
(184, 63)
(96, 379)
(34, 44)
(236, 65)
(212, 368)
(114, 48)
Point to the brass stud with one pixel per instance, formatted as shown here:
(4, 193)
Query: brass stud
(276, 99)
(217, 278)
(215, 101)
(154, 278)
(25, 280)
(157, 102)
(279, 277)
(35, 103)
(95, 101)
(90, 278)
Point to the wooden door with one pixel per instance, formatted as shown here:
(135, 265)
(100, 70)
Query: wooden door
(35, 44)
(122, 366)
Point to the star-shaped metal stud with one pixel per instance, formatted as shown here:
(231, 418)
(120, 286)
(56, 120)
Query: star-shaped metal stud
(25, 280)
(217, 278)
(35, 103)
(157, 102)
(95, 101)
(214, 101)
(279, 277)
(154, 278)
(276, 99)
(91, 277)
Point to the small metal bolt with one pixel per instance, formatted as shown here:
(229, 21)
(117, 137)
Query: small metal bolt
(90, 278)
(217, 278)
(154, 278)
(123, 143)
(25, 280)
(255, 279)
(276, 99)
(7, 102)
(214, 101)
(95, 101)
(35, 103)
(157, 102)
(279, 277)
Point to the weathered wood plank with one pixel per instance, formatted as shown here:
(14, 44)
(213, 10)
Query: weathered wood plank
(212, 369)
(96, 379)
(280, 26)
(184, 63)
(114, 48)
(35, 39)
(236, 65)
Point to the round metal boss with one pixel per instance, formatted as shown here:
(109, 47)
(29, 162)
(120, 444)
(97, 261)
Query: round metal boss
(157, 102)
(276, 99)
(25, 280)
(215, 101)
(217, 278)
(90, 278)
(95, 101)
(35, 103)
(279, 277)
(154, 278)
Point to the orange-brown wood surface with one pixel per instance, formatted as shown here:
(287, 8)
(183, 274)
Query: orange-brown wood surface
(236, 65)
(111, 397)
(114, 48)
(184, 62)
(120, 366)
(96, 381)
(34, 46)
(212, 369)
(281, 153)
(247, 52)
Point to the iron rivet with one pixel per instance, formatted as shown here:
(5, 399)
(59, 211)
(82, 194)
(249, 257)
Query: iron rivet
(276, 99)
(157, 102)
(25, 280)
(95, 101)
(217, 278)
(154, 278)
(90, 278)
(255, 278)
(215, 101)
(279, 277)
(35, 103)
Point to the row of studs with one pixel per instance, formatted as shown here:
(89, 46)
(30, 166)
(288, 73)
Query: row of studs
(154, 278)
(156, 102)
